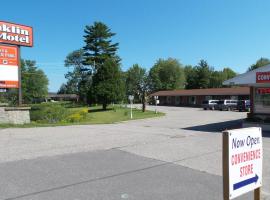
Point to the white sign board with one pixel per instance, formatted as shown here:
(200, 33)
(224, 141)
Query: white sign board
(245, 160)
(130, 97)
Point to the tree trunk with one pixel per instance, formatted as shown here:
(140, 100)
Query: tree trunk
(143, 102)
(104, 106)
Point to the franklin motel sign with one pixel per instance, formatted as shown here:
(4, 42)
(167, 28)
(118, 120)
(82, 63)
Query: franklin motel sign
(12, 37)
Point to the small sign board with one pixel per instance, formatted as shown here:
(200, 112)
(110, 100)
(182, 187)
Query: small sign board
(8, 55)
(244, 160)
(9, 63)
(130, 97)
(262, 77)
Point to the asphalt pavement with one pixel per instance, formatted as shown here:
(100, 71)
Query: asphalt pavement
(173, 157)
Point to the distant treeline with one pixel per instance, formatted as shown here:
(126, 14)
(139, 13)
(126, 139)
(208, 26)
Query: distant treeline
(97, 77)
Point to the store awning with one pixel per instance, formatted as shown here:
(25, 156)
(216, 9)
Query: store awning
(257, 77)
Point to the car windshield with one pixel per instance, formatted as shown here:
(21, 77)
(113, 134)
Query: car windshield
(205, 102)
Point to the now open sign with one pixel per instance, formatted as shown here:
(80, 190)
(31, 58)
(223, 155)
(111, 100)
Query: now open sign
(244, 160)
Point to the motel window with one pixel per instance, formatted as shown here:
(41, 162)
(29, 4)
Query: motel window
(168, 99)
(177, 100)
(262, 100)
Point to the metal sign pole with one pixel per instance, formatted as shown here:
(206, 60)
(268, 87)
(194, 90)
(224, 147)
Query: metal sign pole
(131, 116)
(156, 98)
(19, 76)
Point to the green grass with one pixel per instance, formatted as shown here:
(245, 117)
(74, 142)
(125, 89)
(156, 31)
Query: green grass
(95, 115)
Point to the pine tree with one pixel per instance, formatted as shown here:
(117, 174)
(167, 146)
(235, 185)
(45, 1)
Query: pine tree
(101, 58)
(98, 45)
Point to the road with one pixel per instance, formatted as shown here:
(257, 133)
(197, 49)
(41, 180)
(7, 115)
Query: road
(173, 157)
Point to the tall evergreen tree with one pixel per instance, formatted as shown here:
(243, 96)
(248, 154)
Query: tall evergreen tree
(98, 45)
(107, 83)
(203, 71)
(103, 64)
(191, 77)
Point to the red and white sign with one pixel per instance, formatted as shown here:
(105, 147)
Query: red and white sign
(9, 67)
(16, 34)
(263, 90)
(262, 77)
(245, 160)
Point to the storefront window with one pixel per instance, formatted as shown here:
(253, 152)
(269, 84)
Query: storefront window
(262, 100)
(177, 100)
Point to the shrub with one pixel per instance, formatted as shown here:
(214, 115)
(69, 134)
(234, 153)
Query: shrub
(77, 116)
(48, 113)
(126, 113)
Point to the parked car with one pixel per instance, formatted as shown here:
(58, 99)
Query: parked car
(243, 105)
(209, 104)
(226, 104)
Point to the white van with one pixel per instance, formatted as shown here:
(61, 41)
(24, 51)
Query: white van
(226, 104)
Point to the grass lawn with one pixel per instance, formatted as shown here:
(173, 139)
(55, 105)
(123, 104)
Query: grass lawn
(63, 114)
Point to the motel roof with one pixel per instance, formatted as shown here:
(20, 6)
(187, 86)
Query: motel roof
(204, 92)
(55, 95)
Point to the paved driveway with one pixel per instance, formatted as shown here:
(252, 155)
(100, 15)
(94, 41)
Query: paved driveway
(170, 157)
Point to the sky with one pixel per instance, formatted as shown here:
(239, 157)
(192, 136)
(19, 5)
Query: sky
(226, 33)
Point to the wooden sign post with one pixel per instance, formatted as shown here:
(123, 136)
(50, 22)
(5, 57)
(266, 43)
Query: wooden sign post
(242, 155)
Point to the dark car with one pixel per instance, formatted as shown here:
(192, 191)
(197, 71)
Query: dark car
(209, 104)
(243, 105)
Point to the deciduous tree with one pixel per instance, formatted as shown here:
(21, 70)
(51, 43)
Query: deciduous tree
(166, 75)
(34, 82)
(259, 63)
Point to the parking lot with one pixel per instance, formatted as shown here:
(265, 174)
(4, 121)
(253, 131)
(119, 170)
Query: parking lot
(173, 157)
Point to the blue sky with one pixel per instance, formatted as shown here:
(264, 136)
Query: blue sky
(228, 33)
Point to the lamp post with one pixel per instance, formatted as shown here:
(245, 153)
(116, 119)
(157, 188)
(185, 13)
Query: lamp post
(156, 99)
(130, 98)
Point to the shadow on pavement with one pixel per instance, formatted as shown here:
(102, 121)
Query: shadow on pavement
(217, 127)
(266, 134)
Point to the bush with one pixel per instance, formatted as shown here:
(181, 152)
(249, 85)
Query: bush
(48, 113)
(77, 116)
(56, 112)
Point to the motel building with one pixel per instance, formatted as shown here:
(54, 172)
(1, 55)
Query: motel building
(195, 97)
(258, 81)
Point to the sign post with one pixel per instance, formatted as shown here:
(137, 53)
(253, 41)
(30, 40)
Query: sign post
(131, 97)
(242, 162)
(20, 76)
(156, 99)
